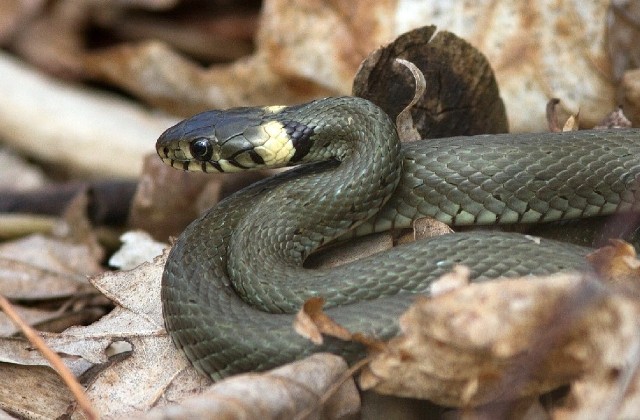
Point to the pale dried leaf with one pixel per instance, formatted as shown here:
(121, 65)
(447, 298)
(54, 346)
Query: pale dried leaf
(17, 174)
(33, 392)
(312, 322)
(423, 228)
(84, 131)
(137, 247)
(572, 123)
(304, 325)
(32, 316)
(404, 120)
(457, 278)
(349, 251)
(37, 267)
(285, 392)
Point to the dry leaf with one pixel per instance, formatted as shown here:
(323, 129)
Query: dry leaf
(536, 52)
(630, 94)
(137, 247)
(286, 392)
(551, 113)
(572, 123)
(404, 121)
(311, 322)
(423, 228)
(615, 119)
(349, 249)
(502, 340)
(47, 396)
(37, 267)
(623, 36)
(166, 200)
(152, 372)
(102, 134)
(617, 264)
(456, 279)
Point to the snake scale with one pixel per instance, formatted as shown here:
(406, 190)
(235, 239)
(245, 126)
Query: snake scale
(234, 278)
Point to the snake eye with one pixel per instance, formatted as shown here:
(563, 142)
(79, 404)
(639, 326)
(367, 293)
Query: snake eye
(201, 149)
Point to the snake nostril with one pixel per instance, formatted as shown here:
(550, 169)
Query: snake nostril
(165, 150)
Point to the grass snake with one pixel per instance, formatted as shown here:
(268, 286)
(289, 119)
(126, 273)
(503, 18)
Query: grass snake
(234, 277)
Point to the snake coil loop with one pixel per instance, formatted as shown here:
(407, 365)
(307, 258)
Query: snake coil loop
(235, 276)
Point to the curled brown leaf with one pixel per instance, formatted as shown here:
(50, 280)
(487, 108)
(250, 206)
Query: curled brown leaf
(504, 340)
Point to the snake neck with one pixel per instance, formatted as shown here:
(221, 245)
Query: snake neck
(320, 203)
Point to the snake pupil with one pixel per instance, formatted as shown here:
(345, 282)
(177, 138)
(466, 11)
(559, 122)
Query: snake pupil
(201, 149)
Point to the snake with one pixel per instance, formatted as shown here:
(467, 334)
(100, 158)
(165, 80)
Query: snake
(235, 278)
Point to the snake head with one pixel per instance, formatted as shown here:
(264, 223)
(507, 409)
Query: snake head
(233, 140)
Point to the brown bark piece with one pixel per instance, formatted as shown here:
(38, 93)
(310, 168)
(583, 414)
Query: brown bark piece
(461, 97)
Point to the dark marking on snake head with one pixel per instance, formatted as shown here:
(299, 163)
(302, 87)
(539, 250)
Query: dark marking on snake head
(237, 164)
(185, 165)
(300, 135)
(201, 149)
(255, 157)
(217, 166)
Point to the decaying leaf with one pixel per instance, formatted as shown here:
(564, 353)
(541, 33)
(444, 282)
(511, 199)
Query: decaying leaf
(617, 264)
(425, 227)
(572, 123)
(49, 398)
(615, 119)
(311, 322)
(623, 36)
(166, 200)
(404, 121)
(551, 113)
(503, 340)
(630, 94)
(285, 392)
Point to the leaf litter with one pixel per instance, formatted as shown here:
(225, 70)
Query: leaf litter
(148, 372)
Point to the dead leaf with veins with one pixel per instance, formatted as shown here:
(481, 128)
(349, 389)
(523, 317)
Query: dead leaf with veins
(504, 340)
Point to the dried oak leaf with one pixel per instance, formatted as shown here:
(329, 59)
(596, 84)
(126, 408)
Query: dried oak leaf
(504, 340)
(462, 96)
(150, 372)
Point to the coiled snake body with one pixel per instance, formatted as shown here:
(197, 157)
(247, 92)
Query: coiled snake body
(235, 276)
